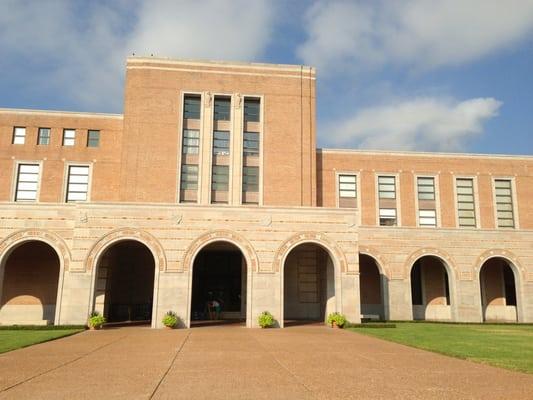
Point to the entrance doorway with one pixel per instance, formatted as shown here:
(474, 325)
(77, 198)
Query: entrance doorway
(498, 291)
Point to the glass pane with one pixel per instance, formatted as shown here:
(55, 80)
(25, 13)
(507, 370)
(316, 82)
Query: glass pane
(387, 195)
(251, 110)
(387, 179)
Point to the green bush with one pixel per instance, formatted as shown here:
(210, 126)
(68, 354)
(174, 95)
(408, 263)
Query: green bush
(96, 320)
(337, 318)
(266, 319)
(170, 319)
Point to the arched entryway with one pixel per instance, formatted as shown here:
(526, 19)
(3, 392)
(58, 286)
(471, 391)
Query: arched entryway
(29, 277)
(124, 285)
(219, 287)
(372, 288)
(430, 289)
(308, 285)
(498, 290)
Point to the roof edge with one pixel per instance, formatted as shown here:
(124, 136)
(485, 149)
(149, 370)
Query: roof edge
(59, 113)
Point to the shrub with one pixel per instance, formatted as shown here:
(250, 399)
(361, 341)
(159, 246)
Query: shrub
(337, 318)
(265, 319)
(170, 319)
(96, 320)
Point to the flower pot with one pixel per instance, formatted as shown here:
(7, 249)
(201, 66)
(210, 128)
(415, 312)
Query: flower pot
(95, 328)
(334, 325)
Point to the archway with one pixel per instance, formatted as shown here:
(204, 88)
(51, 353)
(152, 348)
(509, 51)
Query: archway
(29, 276)
(219, 285)
(308, 285)
(430, 289)
(124, 286)
(498, 291)
(372, 288)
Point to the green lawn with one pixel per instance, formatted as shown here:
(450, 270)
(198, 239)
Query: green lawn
(507, 346)
(17, 338)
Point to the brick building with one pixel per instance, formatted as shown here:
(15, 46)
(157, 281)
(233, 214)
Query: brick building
(210, 187)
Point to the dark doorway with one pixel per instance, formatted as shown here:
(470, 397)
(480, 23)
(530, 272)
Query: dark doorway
(498, 291)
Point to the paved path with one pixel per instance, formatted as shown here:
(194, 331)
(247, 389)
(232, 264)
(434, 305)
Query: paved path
(238, 363)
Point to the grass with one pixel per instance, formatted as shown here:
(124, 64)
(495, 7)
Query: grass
(506, 346)
(17, 338)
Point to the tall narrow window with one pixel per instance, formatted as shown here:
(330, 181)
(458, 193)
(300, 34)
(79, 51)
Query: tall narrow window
(27, 182)
(347, 191)
(69, 137)
(191, 141)
(189, 177)
(465, 202)
(77, 183)
(93, 138)
(251, 144)
(222, 109)
(426, 188)
(191, 107)
(427, 218)
(220, 178)
(504, 203)
(252, 110)
(44, 136)
(387, 187)
(387, 217)
(221, 143)
(250, 179)
(19, 135)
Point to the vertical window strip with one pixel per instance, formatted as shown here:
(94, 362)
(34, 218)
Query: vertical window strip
(77, 183)
(504, 203)
(387, 187)
(348, 186)
(426, 188)
(27, 182)
(191, 141)
(466, 208)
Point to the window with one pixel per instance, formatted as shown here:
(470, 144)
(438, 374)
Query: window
(222, 110)
(504, 203)
(191, 141)
(252, 110)
(44, 136)
(465, 202)
(77, 183)
(220, 177)
(93, 138)
(27, 182)
(189, 177)
(387, 217)
(251, 144)
(387, 187)
(19, 135)
(426, 188)
(191, 107)
(69, 137)
(250, 179)
(347, 186)
(221, 143)
(427, 218)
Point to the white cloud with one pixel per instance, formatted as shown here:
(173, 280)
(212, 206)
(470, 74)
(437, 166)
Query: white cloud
(419, 34)
(418, 124)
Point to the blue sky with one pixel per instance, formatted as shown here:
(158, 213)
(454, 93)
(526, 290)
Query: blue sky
(448, 75)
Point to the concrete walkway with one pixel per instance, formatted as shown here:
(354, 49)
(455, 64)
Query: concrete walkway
(237, 363)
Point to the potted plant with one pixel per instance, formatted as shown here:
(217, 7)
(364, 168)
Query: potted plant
(170, 320)
(265, 319)
(96, 320)
(336, 320)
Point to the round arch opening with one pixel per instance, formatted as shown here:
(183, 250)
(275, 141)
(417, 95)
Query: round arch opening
(124, 283)
(29, 277)
(498, 291)
(373, 286)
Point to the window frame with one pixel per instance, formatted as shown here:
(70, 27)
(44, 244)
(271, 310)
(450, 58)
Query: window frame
(66, 181)
(514, 199)
(213, 175)
(73, 138)
(396, 217)
(39, 136)
(197, 176)
(397, 200)
(436, 182)
(257, 176)
(213, 147)
(89, 139)
(192, 94)
(226, 97)
(15, 136)
(476, 201)
(184, 146)
(358, 193)
(244, 154)
(14, 180)
(259, 99)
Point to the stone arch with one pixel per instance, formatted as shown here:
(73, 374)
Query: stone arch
(378, 258)
(319, 238)
(510, 257)
(126, 234)
(449, 263)
(222, 235)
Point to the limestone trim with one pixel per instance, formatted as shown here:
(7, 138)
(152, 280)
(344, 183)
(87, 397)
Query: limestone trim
(336, 254)
(122, 234)
(221, 235)
(377, 256)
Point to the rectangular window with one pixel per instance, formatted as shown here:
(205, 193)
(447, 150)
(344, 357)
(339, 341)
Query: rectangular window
(189, 177)
(347, 186)
(504, 203)
(69, 137)
(77, 183)
(252, 110)
(250, 179)
(191, 141)
(221, 143)
(426, 188)
(387, 217)
(387, 187)
(19, 135)
(427, 218)
(191, 107)
(251, 144)
(27, 182)
(93, 138)
(44, 136)
(222, 109)
(220, 177)
(465, 202)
